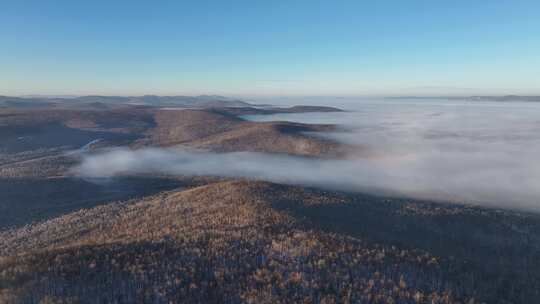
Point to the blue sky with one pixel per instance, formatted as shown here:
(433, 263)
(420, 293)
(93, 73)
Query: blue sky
(270, 47)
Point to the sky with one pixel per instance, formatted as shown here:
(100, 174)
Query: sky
(270, 48)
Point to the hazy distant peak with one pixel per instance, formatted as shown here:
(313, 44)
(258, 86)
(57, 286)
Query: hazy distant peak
(476, 97)
(202, 101)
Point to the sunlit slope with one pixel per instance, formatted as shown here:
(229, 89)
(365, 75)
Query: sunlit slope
(255, 242)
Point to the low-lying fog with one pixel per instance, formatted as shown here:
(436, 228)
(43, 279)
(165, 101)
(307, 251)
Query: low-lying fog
(474, 152)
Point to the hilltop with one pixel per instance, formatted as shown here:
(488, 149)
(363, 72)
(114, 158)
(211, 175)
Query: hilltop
(253, 242)
(218, 130)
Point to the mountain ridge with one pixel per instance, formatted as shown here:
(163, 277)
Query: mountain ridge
(146, 100)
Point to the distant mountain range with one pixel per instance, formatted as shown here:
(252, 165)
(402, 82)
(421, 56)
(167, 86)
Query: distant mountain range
(202, 101)
(477, 98)
(505, 98)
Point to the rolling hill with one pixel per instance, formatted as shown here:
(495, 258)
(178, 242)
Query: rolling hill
(219, 131)
(257, 242)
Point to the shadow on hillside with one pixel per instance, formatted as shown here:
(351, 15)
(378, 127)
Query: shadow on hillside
(501, 250)
(17, 139)
(23, 201)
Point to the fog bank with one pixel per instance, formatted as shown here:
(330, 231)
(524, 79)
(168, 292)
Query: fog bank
(481, 153)
(413, 176)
